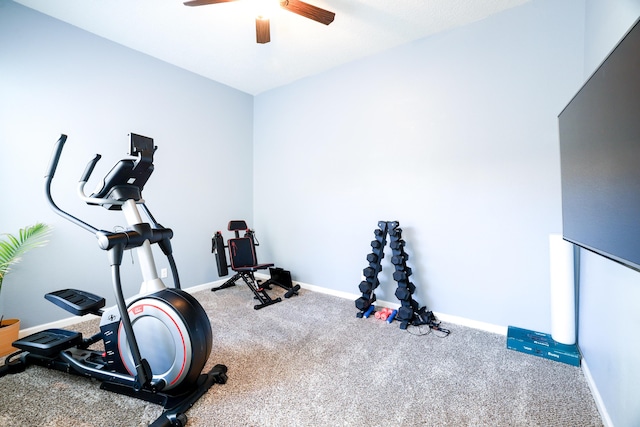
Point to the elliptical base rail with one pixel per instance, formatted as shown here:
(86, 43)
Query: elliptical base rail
(175, 405)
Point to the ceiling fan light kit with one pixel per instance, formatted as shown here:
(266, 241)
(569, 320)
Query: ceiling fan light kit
(263, 33)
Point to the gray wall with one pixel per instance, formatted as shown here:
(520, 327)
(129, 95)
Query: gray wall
(455, 136)
(609, 292)
(55, 78)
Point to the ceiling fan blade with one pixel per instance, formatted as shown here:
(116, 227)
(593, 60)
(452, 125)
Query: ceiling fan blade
(308, 11)
(263, 34)
(204, 2)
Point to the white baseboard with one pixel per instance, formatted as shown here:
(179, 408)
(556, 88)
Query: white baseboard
(487, 327)
(58, 324)
(462, 321)
(204, 286)
(602, 409)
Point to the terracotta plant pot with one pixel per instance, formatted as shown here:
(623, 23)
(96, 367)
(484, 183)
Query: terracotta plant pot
(9, 329)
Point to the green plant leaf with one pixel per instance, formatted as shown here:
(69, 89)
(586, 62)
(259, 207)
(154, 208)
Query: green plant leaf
(12, 248)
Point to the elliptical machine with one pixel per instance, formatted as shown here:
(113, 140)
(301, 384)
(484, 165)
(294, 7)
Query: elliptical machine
(157, 342)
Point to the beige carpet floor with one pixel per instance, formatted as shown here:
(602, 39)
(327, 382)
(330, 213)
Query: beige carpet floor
(309, 361)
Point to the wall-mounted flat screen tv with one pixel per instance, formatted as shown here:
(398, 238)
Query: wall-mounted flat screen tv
(600, 157)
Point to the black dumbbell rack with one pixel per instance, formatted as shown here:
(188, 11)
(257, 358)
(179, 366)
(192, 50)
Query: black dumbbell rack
(409, 311)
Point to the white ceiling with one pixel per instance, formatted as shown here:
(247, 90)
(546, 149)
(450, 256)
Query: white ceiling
(218, 41)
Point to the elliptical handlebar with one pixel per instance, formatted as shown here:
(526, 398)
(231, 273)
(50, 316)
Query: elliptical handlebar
(55, 156)
(53, 166)
(83, 180)
(89, 169)
(91, 200)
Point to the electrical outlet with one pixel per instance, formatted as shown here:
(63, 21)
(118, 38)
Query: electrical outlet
(163, 273)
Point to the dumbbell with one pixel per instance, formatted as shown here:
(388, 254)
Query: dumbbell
(365, 287)
(363, 303)
(369, 311)
(369, 272)
(405, 313)
(384, 313)
(402, 274)
(397, 244)
(380, 313)
(399, 259)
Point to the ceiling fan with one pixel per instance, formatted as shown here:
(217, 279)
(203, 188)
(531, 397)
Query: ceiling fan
(263, 34)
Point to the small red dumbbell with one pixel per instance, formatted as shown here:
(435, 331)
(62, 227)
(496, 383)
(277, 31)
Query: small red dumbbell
(383, 314)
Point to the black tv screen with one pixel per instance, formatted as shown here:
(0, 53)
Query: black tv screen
(600, 157)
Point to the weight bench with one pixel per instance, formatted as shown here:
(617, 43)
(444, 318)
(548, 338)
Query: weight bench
(244, 262)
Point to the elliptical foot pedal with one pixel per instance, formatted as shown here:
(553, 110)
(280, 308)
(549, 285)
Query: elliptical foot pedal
(49, 343)
(77, 302)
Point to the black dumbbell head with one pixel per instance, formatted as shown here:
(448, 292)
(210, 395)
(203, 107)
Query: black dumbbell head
(365, 287)
(397, 244)
(369, 272)
(363, 303)
(403, 294)
(404, 313)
